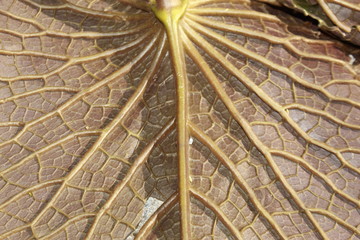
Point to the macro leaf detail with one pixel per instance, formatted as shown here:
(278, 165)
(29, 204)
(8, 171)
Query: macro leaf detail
(341, 18)
(180, 119)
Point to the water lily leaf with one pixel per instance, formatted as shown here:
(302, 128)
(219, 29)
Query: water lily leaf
(208, 119)
(339, 17)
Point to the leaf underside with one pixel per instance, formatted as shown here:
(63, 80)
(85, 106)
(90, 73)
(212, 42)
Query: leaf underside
(90, 115)
(338, 17)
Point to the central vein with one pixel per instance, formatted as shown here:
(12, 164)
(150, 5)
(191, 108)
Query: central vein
(169, 13)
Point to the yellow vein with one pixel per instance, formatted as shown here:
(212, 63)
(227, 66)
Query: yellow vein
(200, 136)
(254, 229)
(269, 38)
(321, 113)
(38, 91)
(342, 82)
(350, 150)
(140, 160)
(246, 127)
(50, 146)
(118, 73)
(119, 118)
(156, 217)
(140, 4)
(171, 23)
(263, 96)
(67, 224)
(34, 54)
(198, 3)
(251, 55)
(10, 124)
(16, 197)
(336, 219)
(14, 231)
(21, 19)
(333, 17)
(88, 11)
(217, 11)
(314, 171)
(346, 4)
(108, 53)
(86, 35)
(93, 189)
(218, 213)
(182, 118)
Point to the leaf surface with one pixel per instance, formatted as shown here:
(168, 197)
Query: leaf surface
(339, 17)
(234, 120)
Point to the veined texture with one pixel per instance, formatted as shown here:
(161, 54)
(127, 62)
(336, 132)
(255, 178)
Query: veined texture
(199, 119)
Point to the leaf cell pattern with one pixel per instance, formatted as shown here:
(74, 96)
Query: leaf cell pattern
(341, 18)
(240, 120)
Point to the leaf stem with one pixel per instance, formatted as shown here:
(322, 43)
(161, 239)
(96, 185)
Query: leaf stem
(169, 13)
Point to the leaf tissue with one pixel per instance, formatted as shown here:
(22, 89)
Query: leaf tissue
(179, 119)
